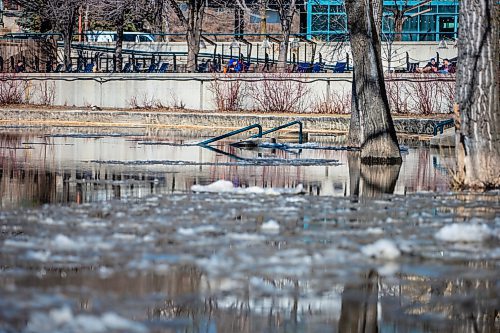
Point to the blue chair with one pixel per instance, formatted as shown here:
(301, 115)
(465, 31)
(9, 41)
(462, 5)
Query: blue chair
(89, 68)
(318, 67)
(127, 68)
(163, 68)
(138, 67)
(59, 68)
(152, 68)
(340, 67)
(303, 67)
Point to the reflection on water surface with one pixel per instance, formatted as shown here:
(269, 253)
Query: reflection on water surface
(81, 165)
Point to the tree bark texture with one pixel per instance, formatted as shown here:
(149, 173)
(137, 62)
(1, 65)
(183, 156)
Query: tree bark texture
(478, 126)
(378, 141)
(193, 24)
(120, 22)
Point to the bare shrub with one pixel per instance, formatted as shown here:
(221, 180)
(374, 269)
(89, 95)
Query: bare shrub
(279, 92)
(46, 92)
(424, 94)
(228, 92)
(446, 91)
(12, 91)
(145, 102)
(397, 94)
(337, 102)
(177, 103)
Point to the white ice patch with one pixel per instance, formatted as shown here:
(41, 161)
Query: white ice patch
(38, 255)
(225, 186)
(219, 186)
(381, 249)
(270, 226)
(62, 242)
(63, 320)
(197, 230)
(464, 233)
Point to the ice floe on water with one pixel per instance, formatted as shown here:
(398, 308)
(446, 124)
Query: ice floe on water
(382, 249)
(225, 186)
(465, 233)
(63, 320)
(277, 246)
(270, 226)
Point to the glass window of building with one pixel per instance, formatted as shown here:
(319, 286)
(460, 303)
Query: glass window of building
(430, 22)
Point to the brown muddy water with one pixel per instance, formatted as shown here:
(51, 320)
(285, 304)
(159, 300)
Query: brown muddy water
(103, 231)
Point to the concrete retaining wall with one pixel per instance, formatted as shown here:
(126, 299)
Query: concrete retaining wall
(195, 92)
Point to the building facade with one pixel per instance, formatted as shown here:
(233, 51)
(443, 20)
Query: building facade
(432, 21)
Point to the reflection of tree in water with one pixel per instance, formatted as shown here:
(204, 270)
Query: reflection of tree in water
(371, 181)
(21, 184)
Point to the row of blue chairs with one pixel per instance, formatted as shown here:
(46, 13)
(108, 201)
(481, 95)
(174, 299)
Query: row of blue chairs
(319, 67)
(153, 68)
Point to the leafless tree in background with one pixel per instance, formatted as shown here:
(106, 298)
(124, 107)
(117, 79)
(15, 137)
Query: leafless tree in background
(286, 10)
(62, 15)
(193, 22)
(399, 15)
(119, 13)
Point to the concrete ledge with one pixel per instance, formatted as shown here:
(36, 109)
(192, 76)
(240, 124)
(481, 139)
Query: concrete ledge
(320, 123)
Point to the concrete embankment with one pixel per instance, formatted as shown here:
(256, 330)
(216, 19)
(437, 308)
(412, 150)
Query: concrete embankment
(311, 123)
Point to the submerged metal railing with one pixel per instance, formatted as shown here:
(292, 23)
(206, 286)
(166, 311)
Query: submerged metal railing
(226, 135)
(440, 126)
(295, 122)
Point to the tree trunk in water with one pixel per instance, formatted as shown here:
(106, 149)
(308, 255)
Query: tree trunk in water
(379, 144)
(478, 130)
(355, 136)
(119, 42)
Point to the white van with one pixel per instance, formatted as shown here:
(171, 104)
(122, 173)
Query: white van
(110, 36)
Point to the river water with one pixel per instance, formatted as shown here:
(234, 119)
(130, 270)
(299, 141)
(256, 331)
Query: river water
(103, 231)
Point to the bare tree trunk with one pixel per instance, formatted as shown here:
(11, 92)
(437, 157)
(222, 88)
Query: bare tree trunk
(379, 144)
(193, 42)
(285, 40)
(193, 34)
(119, 41)
(355, 135)
(67, 49)
(478, 131)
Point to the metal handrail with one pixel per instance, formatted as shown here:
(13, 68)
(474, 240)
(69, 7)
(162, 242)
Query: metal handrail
(440, 126)
(295, 122)
(226, 135)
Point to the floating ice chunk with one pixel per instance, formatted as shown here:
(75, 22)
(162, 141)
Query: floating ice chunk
(62, 242)
(19, 243)
(38, 255)
(270, 226)
(88, 324)
(61, 316)
(216, 187)
(225, 186)
(381, 249)
(115, 322)
(389, 269)
(375, 231)
(186, 231)
(464, 233)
